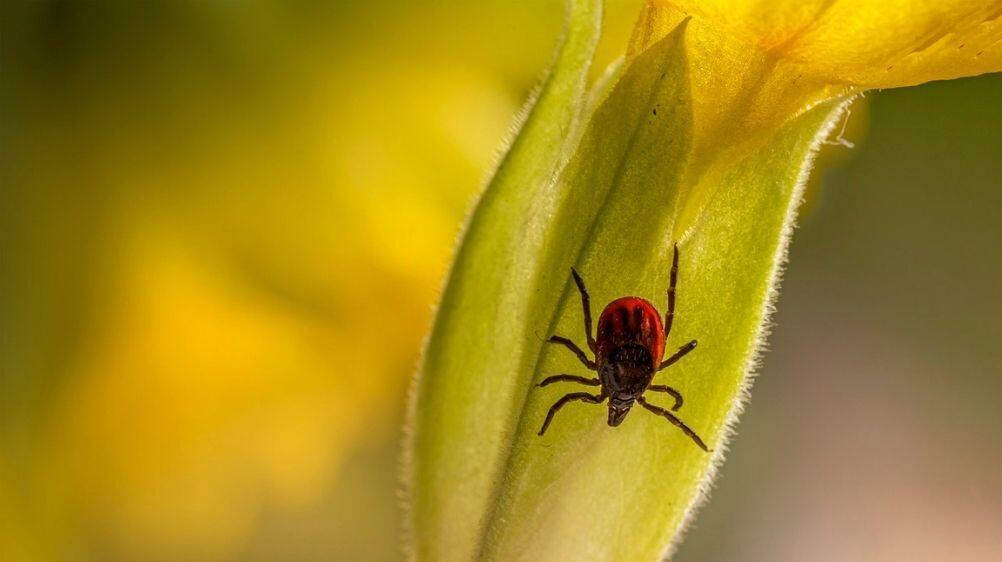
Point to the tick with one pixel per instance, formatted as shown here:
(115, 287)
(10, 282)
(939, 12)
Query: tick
(628, 349)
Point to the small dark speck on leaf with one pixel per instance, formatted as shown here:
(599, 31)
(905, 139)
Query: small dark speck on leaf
(655, 111)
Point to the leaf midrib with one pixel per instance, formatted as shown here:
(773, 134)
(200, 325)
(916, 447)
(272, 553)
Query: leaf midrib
(509, 448)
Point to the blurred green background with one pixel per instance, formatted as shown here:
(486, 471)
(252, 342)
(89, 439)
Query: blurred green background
(224, 226)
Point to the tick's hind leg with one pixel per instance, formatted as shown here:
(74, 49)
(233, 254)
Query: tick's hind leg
(569, 378)
(670, 391)
(574, 347)
(583, 396)
(677, 422)
(586, 307)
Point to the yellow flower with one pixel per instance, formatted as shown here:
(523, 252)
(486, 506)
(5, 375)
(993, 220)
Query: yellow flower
(865, 43)
(754, 65)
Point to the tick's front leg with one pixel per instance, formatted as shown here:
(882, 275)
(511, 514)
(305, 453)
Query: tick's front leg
(682, 351)
(569, 378)
(583, 396)
(577, 350)
(673, 280)
(586, 308)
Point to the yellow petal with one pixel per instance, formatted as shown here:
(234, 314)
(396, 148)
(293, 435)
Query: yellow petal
(864, 43)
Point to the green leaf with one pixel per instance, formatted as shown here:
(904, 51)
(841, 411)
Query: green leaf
(483, 485)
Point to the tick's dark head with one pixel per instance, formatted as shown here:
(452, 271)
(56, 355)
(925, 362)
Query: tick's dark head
(619, 406)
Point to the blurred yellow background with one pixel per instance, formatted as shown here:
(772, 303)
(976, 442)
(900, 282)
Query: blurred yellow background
(224, 226)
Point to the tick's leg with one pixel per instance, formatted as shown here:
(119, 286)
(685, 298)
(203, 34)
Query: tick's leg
(679, 423)
(574, 347)
(569, 378)
(668, 390)
(586, 306)
(670, 313)
(682, 351)
(583, 396)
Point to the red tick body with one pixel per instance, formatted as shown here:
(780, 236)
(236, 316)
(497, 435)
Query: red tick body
(629, 350)
(631, 320)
